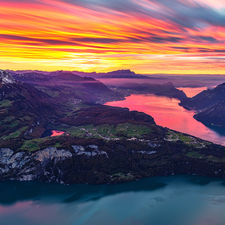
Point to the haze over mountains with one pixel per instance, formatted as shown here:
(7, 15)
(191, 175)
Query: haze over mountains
(69, 86)
(90, 89)
(124, 76)
(113, 74)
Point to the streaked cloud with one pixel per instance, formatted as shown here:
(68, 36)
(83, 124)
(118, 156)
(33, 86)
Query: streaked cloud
(147, 36)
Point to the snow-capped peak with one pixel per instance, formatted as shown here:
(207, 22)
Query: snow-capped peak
(6, 78)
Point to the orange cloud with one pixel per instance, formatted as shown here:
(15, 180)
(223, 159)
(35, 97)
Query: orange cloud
(145, 36)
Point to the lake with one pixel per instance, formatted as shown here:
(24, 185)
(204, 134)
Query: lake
(174, 200)
(167, 113)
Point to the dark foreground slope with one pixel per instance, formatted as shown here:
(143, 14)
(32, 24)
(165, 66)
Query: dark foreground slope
(100, 144)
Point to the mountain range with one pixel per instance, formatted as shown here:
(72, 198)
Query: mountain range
(96, 143)
(89, 89)
(67, 86)
(112, 74)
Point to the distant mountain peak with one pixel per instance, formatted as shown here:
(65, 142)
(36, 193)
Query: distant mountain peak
(168, 84)
(122, 72)
(6, 78)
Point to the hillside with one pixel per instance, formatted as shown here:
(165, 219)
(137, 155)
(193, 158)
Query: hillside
(23, 109)
(205, 99)
(210, 106)
(214, 115)
(31, 77)
(69, 87)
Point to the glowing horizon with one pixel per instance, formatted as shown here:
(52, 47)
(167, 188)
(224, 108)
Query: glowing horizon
(145, 36)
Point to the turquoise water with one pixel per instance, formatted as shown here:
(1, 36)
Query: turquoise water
(174, 200)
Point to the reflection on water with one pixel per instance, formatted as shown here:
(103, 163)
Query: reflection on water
(176, 200)
(191, 92)
(57, 133)
(168, 113)
(52, 133)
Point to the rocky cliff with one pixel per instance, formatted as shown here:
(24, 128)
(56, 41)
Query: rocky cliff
(100, 161)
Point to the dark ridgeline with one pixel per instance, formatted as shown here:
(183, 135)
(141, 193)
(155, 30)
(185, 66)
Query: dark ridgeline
(63, 84)
(210, 105)
(205, 99)
(66, 86)
(122, 74)
(166, 89)
(113, 74)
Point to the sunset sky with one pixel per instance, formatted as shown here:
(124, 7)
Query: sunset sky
(146, 36)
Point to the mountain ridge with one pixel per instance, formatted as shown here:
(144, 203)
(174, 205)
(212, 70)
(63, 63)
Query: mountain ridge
(210, 106)
(6, 78)
(96, 142)
(205, 98)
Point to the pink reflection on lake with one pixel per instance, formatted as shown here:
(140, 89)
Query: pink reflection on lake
(32, 212)
(168, 113)
(56, 133)
(191, 92)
